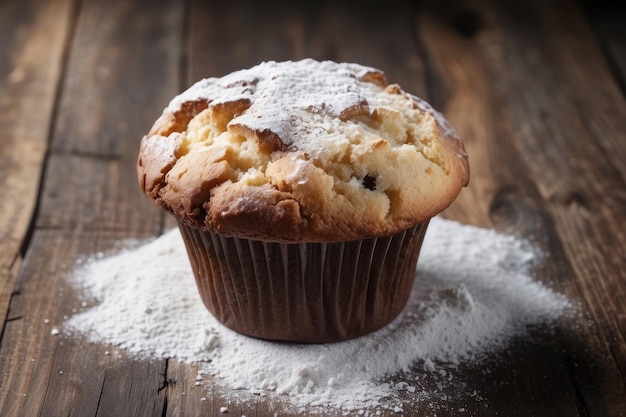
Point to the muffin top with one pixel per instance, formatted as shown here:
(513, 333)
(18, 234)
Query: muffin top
(301, 151)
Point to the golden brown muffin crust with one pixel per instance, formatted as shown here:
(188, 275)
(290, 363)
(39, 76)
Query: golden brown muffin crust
(301, 151)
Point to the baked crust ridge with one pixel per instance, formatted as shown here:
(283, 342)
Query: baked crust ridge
(301, 151)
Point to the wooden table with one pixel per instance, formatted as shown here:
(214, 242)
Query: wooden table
(536, 89)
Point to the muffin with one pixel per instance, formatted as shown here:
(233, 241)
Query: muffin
(303, 191)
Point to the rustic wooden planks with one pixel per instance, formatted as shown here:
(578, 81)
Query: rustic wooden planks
(527, 85)
(29, 72)
(541, 108)
(580, 174)
(607, 19)
(505, 196)
(89, 201)
(122, 70)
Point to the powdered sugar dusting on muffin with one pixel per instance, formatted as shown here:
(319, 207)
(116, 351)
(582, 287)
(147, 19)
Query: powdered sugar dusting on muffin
(282, 101)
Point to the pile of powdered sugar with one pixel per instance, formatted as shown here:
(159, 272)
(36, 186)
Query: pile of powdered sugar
(473, 293)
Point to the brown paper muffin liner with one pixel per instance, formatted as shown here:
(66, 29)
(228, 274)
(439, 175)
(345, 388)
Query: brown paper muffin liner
(304, 292)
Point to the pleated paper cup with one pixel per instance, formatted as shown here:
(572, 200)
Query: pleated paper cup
(304, 292)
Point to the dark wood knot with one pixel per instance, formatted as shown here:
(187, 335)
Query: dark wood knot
(513, 210)
(468, 23)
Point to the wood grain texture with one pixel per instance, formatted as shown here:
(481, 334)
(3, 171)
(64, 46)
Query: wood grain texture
(223, 38)
(532, 89)
(29, 74)
(122, 70)
(607, 18)
(51, 374)
(544, 110)
(89, 201)
(504, 196)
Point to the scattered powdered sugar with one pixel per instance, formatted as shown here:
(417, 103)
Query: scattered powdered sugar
(473, 293)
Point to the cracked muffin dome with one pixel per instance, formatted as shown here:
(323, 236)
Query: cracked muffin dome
(302, 151)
